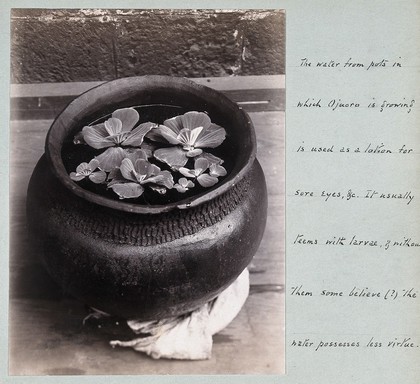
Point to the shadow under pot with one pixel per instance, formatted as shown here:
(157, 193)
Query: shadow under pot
(160, 254)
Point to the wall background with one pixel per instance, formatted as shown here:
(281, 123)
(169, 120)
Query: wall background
(56, 45)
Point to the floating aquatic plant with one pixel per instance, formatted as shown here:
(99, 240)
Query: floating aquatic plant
(133, 154)
(188, 134)
(88, 170)
(183, 185)
(199, 172)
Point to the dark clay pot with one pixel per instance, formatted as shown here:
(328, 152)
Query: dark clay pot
(154, 261)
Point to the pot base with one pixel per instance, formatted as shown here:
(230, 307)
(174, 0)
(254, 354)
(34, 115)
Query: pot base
(189, 337)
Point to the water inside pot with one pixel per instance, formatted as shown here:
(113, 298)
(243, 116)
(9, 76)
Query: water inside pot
(73, 155)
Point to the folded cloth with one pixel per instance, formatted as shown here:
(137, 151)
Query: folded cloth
(189, 337)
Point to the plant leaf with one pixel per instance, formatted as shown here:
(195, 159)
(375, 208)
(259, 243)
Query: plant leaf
(113, 126)
(188, 136)
(194, 119)
(97, 177)
(159, 189)
(180, 188)
(115, 177)
(211, 137)
(127, 169)
(190, 120)
(154, 169)
(136, 136)
(174, 124)
(128, 117)
(83, 168)
(148, 148)
(194, 152)
(135, 153)
(200, 165)
(155, 135)
(111, 158)
(205, 180)
(163, 178)
(76, 177)
(186, 183)
(93, 164)
(212, 159)
(97, 137)
(217, 170)
(167, 134)
(183, 185)
(142, 167)
(187, 172)
(128, 190)
(173, 156)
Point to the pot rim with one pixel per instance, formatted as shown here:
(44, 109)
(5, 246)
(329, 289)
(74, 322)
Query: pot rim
(53, 150)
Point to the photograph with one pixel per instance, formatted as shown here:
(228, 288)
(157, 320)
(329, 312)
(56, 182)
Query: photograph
(147, 192)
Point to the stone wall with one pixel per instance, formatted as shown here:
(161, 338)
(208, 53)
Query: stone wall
(97, 44)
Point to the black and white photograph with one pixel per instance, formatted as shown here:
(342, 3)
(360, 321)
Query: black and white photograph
(147, 187)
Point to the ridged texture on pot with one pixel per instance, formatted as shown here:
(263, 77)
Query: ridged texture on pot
(146, 266)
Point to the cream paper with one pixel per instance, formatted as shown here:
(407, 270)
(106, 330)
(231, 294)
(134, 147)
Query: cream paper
(353, 193)
(359, 230)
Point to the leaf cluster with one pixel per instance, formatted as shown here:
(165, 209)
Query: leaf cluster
(132, 154)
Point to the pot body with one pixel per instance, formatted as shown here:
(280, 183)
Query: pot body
(145, 266)
(139, 261)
